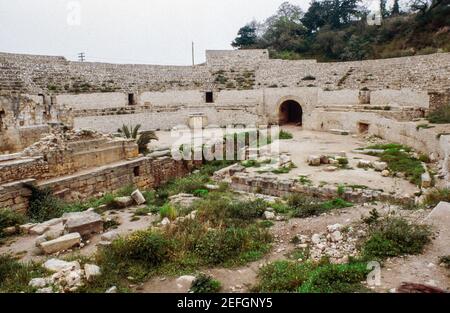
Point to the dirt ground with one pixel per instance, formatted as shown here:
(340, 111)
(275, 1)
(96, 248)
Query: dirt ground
(307, 143)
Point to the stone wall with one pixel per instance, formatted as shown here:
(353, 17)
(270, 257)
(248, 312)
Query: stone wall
(55, 75)
(406, 133)
(65, 160)
(144, 173)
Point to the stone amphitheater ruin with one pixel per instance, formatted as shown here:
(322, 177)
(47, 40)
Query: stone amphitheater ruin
(59, 119)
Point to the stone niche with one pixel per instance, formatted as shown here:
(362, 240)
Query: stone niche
(364, 96)
(197, 120)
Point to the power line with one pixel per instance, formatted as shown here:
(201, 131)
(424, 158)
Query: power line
(81, 56)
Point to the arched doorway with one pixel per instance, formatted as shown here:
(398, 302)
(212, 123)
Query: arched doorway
(290, 112)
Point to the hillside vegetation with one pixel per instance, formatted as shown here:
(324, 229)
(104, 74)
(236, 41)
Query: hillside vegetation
(337, 30)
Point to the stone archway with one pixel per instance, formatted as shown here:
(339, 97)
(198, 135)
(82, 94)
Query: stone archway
(290, 112)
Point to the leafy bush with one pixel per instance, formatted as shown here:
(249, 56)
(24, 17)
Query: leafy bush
(283, 276)
(336, 278)
(395, 236)
(43, 205)
(147, 247)
(233, 244)
(248, 209)
(10, 218)
(437, 195)
(205, 284)
(285, 135)
(168, 211)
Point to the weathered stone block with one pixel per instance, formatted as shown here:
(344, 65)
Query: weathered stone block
(61, 243)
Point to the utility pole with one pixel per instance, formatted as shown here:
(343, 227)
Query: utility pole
(193, 54)
(81, 56)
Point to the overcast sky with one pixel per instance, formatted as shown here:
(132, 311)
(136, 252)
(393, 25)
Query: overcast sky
(127, 31)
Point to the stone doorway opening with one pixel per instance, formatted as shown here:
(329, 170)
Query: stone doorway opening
(290, 112)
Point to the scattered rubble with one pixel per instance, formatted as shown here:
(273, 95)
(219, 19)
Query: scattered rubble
(183, 200)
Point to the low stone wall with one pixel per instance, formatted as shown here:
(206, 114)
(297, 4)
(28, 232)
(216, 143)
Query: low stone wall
(406, 133)
(77, 156)
(144, 173)
(279, 187)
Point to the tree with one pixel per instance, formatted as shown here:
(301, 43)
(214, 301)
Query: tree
(383, 10)
(246, 38)
(395, 8)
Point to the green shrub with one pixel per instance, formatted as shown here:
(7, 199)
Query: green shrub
(200, 192)
(9, 218)
(205, 284)
(148, 247)
(337, 203)
(247, 209)
(283, 276)
(437, 195)
(168, 211)
(285, 135)
(395, 236)
(234, 244)
(336, 278)
(305, 206)
(43, 204)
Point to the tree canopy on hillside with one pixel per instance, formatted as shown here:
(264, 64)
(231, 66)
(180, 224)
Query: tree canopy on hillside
(333, 30)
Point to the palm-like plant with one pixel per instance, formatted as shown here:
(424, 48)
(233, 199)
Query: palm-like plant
(142, 139)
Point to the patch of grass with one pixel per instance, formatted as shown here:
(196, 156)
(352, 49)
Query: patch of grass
(395, 236)
(232, 245)
(399, 160)
(423, 126)
(283, 276)
(266, 224)
(337, 203)
(304, 180)
(200, 193)
(342, 162)
(304, 206)
(336, 278)
(250, 163)
(15, 276)
(289, 276)
(435, 196)
(205, 284)
(285, 135)
(9, 218)
(284, 169)
(168, 211)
